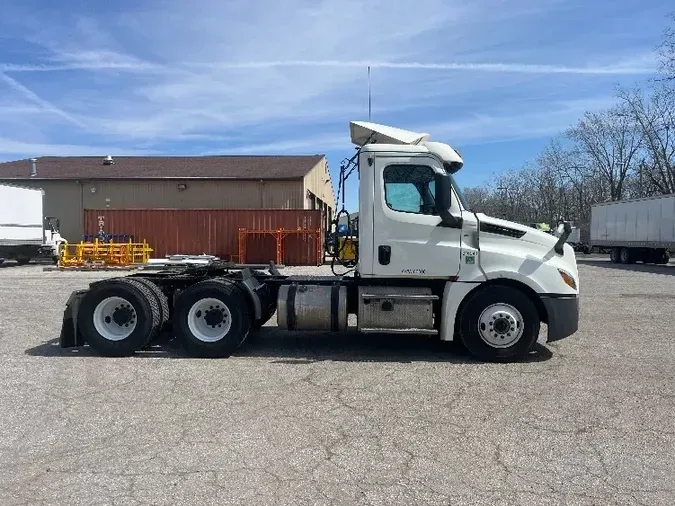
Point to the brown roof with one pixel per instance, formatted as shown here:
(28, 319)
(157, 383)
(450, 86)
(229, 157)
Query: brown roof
(153, 167)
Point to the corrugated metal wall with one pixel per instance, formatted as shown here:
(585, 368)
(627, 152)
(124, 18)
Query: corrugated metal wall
(204, 194)
(68, 199)
(318, 182)
(212, 231)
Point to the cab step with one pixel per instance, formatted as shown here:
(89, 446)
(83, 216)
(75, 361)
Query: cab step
(429, 332)
(398, 296)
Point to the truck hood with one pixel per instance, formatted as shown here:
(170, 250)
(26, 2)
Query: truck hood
(531, 235)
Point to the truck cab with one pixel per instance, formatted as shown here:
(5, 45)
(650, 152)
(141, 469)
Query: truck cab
(426, 264)
(415, 224)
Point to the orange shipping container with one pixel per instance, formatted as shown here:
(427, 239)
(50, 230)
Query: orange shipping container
(213, 231)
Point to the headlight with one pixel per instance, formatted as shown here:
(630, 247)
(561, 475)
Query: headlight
(568, 279)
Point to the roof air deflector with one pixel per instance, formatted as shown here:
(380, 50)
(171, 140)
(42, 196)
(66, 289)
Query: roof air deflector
(364, 132)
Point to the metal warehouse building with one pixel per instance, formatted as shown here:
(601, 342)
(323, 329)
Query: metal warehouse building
(77, 186)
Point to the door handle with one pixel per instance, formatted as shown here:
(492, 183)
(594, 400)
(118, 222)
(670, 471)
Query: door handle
(384, 254)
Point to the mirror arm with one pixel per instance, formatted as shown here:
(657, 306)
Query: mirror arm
(559, 246)
(449, 220)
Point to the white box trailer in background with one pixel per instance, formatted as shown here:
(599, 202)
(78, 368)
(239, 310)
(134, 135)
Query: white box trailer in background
(22, 226)
(635, 230)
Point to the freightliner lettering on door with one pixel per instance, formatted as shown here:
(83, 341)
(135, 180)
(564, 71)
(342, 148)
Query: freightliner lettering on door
(413, 271)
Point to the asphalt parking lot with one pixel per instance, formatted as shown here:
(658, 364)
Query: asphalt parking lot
(323, 419)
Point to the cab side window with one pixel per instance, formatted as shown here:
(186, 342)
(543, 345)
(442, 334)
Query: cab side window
(410, 188)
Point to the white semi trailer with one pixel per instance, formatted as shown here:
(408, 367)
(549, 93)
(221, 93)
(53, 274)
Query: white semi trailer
(426, 264)
(25, 232)
(635, 230)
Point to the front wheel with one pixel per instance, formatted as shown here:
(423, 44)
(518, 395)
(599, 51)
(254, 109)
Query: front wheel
(499, 324)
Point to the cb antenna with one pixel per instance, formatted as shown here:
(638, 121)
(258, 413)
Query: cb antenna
(369, 94)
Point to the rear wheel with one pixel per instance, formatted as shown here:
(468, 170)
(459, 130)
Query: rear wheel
(161, 299)
(23, 260)
(119, 317)
(626, 256)
(499, 324)
(614, 256)
(662, 256)
(212, 318)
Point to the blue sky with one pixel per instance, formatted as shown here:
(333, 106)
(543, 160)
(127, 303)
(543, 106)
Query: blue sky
(493, 78)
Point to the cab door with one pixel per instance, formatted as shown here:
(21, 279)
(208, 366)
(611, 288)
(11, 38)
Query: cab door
(409, 238)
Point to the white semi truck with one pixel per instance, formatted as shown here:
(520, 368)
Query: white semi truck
(25, 232)
(635, 230)
(426, 264)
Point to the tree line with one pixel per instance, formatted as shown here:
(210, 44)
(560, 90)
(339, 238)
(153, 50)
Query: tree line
(626, 151)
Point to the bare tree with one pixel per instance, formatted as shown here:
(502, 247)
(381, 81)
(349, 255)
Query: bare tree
(655, 116)
(482, 200)
(666, 52)
(611, 142)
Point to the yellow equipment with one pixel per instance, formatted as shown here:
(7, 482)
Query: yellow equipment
(104, 253)
(347, 248)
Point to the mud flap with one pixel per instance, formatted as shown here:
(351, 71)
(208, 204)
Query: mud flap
(70, 334)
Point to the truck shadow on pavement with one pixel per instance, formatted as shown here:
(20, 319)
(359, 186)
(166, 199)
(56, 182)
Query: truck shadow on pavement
(666, 270)
(284, 347)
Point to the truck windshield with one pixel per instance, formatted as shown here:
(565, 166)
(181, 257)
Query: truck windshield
(460, 193)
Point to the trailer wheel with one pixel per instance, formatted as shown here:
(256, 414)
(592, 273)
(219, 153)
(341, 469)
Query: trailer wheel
(499, 324)
(212, 318)
(119, 317)
(614, 255)
(661, 256)
(626, 256)
(23, 260)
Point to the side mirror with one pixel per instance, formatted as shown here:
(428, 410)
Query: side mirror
(443, 195)
(443, 199)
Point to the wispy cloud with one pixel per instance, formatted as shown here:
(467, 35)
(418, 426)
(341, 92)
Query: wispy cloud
(535, 123)
(95, 62)
(10, 148)
(93, 65)
(265, 76)
(481, 67)
(46, 105)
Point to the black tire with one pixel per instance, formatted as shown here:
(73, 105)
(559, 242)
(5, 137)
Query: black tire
(267, 314)
(233, 299)
(162, 300)
(23, 260)
(268, 301)
(614, 256)
(662, 257)
(147, 314)
(481, 300)
(626, 256)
